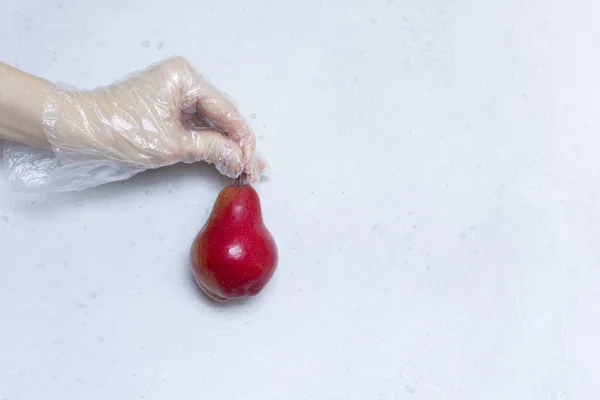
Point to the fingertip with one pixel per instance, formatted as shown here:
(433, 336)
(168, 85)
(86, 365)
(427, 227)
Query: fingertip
(229, 160)
(262, 164)
(228, 169)
(217, 149)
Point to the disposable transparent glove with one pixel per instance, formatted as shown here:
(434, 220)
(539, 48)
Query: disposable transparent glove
(165, 115)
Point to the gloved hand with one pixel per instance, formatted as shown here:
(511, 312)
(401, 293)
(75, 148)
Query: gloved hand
(162, 116)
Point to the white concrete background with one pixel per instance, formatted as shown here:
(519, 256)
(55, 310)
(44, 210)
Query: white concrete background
(435, 198)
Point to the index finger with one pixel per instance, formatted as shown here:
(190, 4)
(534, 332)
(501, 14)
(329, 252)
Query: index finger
(220, 112)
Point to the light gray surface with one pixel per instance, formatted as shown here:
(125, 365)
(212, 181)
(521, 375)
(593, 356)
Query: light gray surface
(434, 198)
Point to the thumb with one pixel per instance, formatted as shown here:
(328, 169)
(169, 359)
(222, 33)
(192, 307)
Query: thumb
(215, 148)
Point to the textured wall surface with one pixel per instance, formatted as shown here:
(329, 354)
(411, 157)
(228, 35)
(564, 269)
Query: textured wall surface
(434, 196)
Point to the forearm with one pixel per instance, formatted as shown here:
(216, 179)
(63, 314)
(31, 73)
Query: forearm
(22, 98)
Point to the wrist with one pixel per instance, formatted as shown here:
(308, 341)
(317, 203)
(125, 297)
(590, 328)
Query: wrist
(90, 125)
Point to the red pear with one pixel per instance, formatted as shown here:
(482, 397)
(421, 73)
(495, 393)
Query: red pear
(234, 255)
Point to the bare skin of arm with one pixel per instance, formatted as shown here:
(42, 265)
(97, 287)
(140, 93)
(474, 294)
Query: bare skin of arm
(21, 106)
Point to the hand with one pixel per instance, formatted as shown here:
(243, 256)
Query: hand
(165, 115)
